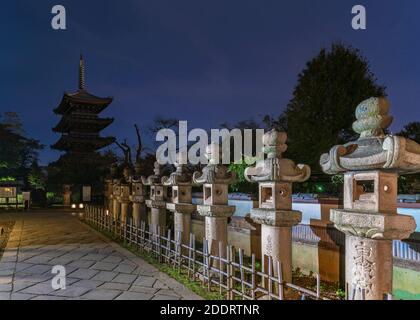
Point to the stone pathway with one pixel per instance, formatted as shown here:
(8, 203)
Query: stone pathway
(96, 268)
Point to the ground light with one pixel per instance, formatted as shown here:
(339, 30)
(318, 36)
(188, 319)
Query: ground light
(320, 188)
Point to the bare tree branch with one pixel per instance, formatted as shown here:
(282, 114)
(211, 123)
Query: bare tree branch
(126, 151)
(139, 146)
(120, 146)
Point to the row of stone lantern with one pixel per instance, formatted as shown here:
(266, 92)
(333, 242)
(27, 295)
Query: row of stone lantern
(215, 180)
(369, 218)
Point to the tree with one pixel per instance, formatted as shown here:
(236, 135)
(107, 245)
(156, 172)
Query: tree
(411, 131)
(126, 149)
(410, 183)
(17, 151)
(163, 123)
(321, 111)
(89, 169)
(144, 157)
(36, 177)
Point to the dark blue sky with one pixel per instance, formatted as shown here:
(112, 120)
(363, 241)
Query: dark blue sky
(203, 61)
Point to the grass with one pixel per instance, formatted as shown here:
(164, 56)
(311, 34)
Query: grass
(179, 276)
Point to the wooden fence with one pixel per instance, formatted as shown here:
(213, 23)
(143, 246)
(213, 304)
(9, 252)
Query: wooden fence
(238, 277)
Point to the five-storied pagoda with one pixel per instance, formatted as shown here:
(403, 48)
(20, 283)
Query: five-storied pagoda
(80, 124)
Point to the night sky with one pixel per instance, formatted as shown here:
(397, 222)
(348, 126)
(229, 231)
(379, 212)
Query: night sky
(207, 62)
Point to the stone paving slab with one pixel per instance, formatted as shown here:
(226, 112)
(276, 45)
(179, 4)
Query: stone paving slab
(96, 268)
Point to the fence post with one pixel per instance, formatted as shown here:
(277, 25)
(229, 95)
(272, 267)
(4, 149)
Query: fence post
(253, 276)
(318, 286)
(102, 213)
(115, 232)
(229, 272)
(207, 262)
(194, 256)
(168, 247)
(109, 223)
(232, 271)
(179, 245)
(270, 272)
(352, 292)
(158, 242)
(130, 232)
(125, 227)
(142, 236)
(280, 279)
(221, 266)
(190, 255)
(241, 270)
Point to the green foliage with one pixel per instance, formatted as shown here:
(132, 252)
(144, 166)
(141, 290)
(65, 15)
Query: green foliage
(321, 112)
(37, 178)
(241, 184)
(341, 294)
(50, 196)
(337, 181)
(7, 179)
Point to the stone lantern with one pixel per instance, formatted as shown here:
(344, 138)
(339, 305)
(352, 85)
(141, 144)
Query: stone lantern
(116, 193)
(215, 180)
(157, 201)
(181, 205)
(137, 198)
(124, 197)
(275, 176)
(67, 195)
(108, 194)
(369, 219)
(109, 188)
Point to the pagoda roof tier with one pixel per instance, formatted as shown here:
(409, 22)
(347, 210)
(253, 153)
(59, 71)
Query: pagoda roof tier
(82, 100)
(82, 143)
(79, 122)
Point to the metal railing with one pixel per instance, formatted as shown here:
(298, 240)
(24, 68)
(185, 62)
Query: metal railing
(231, 275)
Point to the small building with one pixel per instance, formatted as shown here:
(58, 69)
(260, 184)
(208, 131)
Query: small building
(11, 193)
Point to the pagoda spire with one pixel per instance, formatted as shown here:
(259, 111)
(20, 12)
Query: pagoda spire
(81, 73)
